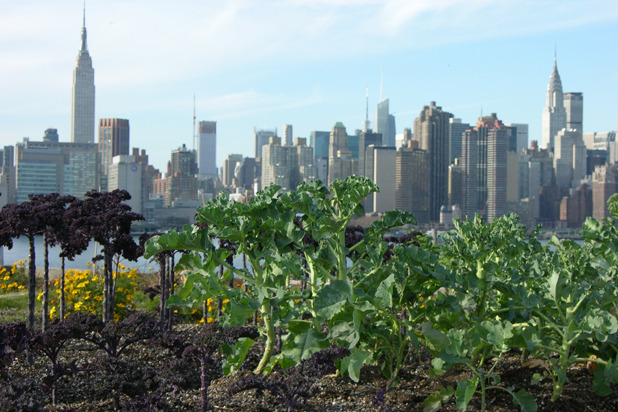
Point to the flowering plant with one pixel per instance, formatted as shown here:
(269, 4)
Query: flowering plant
(84, 291)
(13, 279)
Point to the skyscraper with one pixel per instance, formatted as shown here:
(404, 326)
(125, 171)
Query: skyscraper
(113, 141)
(518, 136)
(383, 167)
(456, 129)
(431, 130)
(366, 138)
(385, 123)
(574, 107)
(125, 173)
(569, 158)
(554, 115)
(340, 162)
(497, 147)
(82, 102)
(207, 150)
(261, 137)
(412, 180)
(288, 137)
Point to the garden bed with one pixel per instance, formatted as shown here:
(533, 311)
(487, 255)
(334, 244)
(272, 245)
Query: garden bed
(150, 366)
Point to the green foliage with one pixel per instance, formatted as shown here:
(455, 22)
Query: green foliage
(491, 287)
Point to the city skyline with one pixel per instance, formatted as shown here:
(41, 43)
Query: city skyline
(306, 63)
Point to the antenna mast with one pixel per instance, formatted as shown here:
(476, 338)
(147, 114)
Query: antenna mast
(367, 124)
(194, 118)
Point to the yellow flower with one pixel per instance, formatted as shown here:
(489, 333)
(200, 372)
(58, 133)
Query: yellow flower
(6, 278)
(78, 305)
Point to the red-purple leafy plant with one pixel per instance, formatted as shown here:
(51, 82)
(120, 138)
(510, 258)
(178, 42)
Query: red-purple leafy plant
(104, 217)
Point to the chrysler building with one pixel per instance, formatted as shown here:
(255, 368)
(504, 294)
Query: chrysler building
(82, 101)
(554, 114)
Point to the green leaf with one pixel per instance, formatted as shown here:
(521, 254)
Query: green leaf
(524, 400)
(241, 309)
(496, 333)
(345, 326)
(604, 375)
(331, 298)
(536, 378)
(352, 364)
(434, 402)
(235, 355)
(436, 340)
(298, 326)
(465, 392)
(304, 345)
(384, 292)
(531, 337)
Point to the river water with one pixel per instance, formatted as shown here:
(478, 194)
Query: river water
(20, 252)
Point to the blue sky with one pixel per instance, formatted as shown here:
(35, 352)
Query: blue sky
(257, 63)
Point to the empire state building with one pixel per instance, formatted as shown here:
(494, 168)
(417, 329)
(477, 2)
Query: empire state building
(82, 102)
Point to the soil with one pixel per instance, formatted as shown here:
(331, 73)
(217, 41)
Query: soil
(89, 391)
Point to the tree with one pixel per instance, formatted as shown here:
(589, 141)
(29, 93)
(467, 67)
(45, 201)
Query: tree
(22, 220)
(50, 209)
(104, 217)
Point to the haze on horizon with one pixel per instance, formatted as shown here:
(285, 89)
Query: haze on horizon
(306, 63)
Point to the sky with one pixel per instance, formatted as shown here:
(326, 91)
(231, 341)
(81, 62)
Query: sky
(309, 63)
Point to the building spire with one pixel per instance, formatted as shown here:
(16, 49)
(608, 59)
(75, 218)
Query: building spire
(84, 35)
(367, 124)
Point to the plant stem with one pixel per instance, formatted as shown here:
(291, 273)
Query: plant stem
(270, 336)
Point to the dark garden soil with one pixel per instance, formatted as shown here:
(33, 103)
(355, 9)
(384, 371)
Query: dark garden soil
(147, 369)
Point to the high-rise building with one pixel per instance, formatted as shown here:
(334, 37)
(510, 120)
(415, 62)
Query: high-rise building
(604, 184)
(412, 180)
(261, 137)
(497, 148)
(574, 108)
(366, 138)
(82, 102)
(113, 141)
(569, 158)
(183, 161)
(456, 181)
(518, 136)
(319, 141)
(491, 166)
(431, 130)
(288, 135)
(51, 135)
(340, 161)
(229, 169)
(207, 150)
(276, 165)
(554, 114)
(385, 123)
(52, 167)
(469, 155)
(383, 161)
(456, 129)
(305, 169)
(125, 173)
(287, 166)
